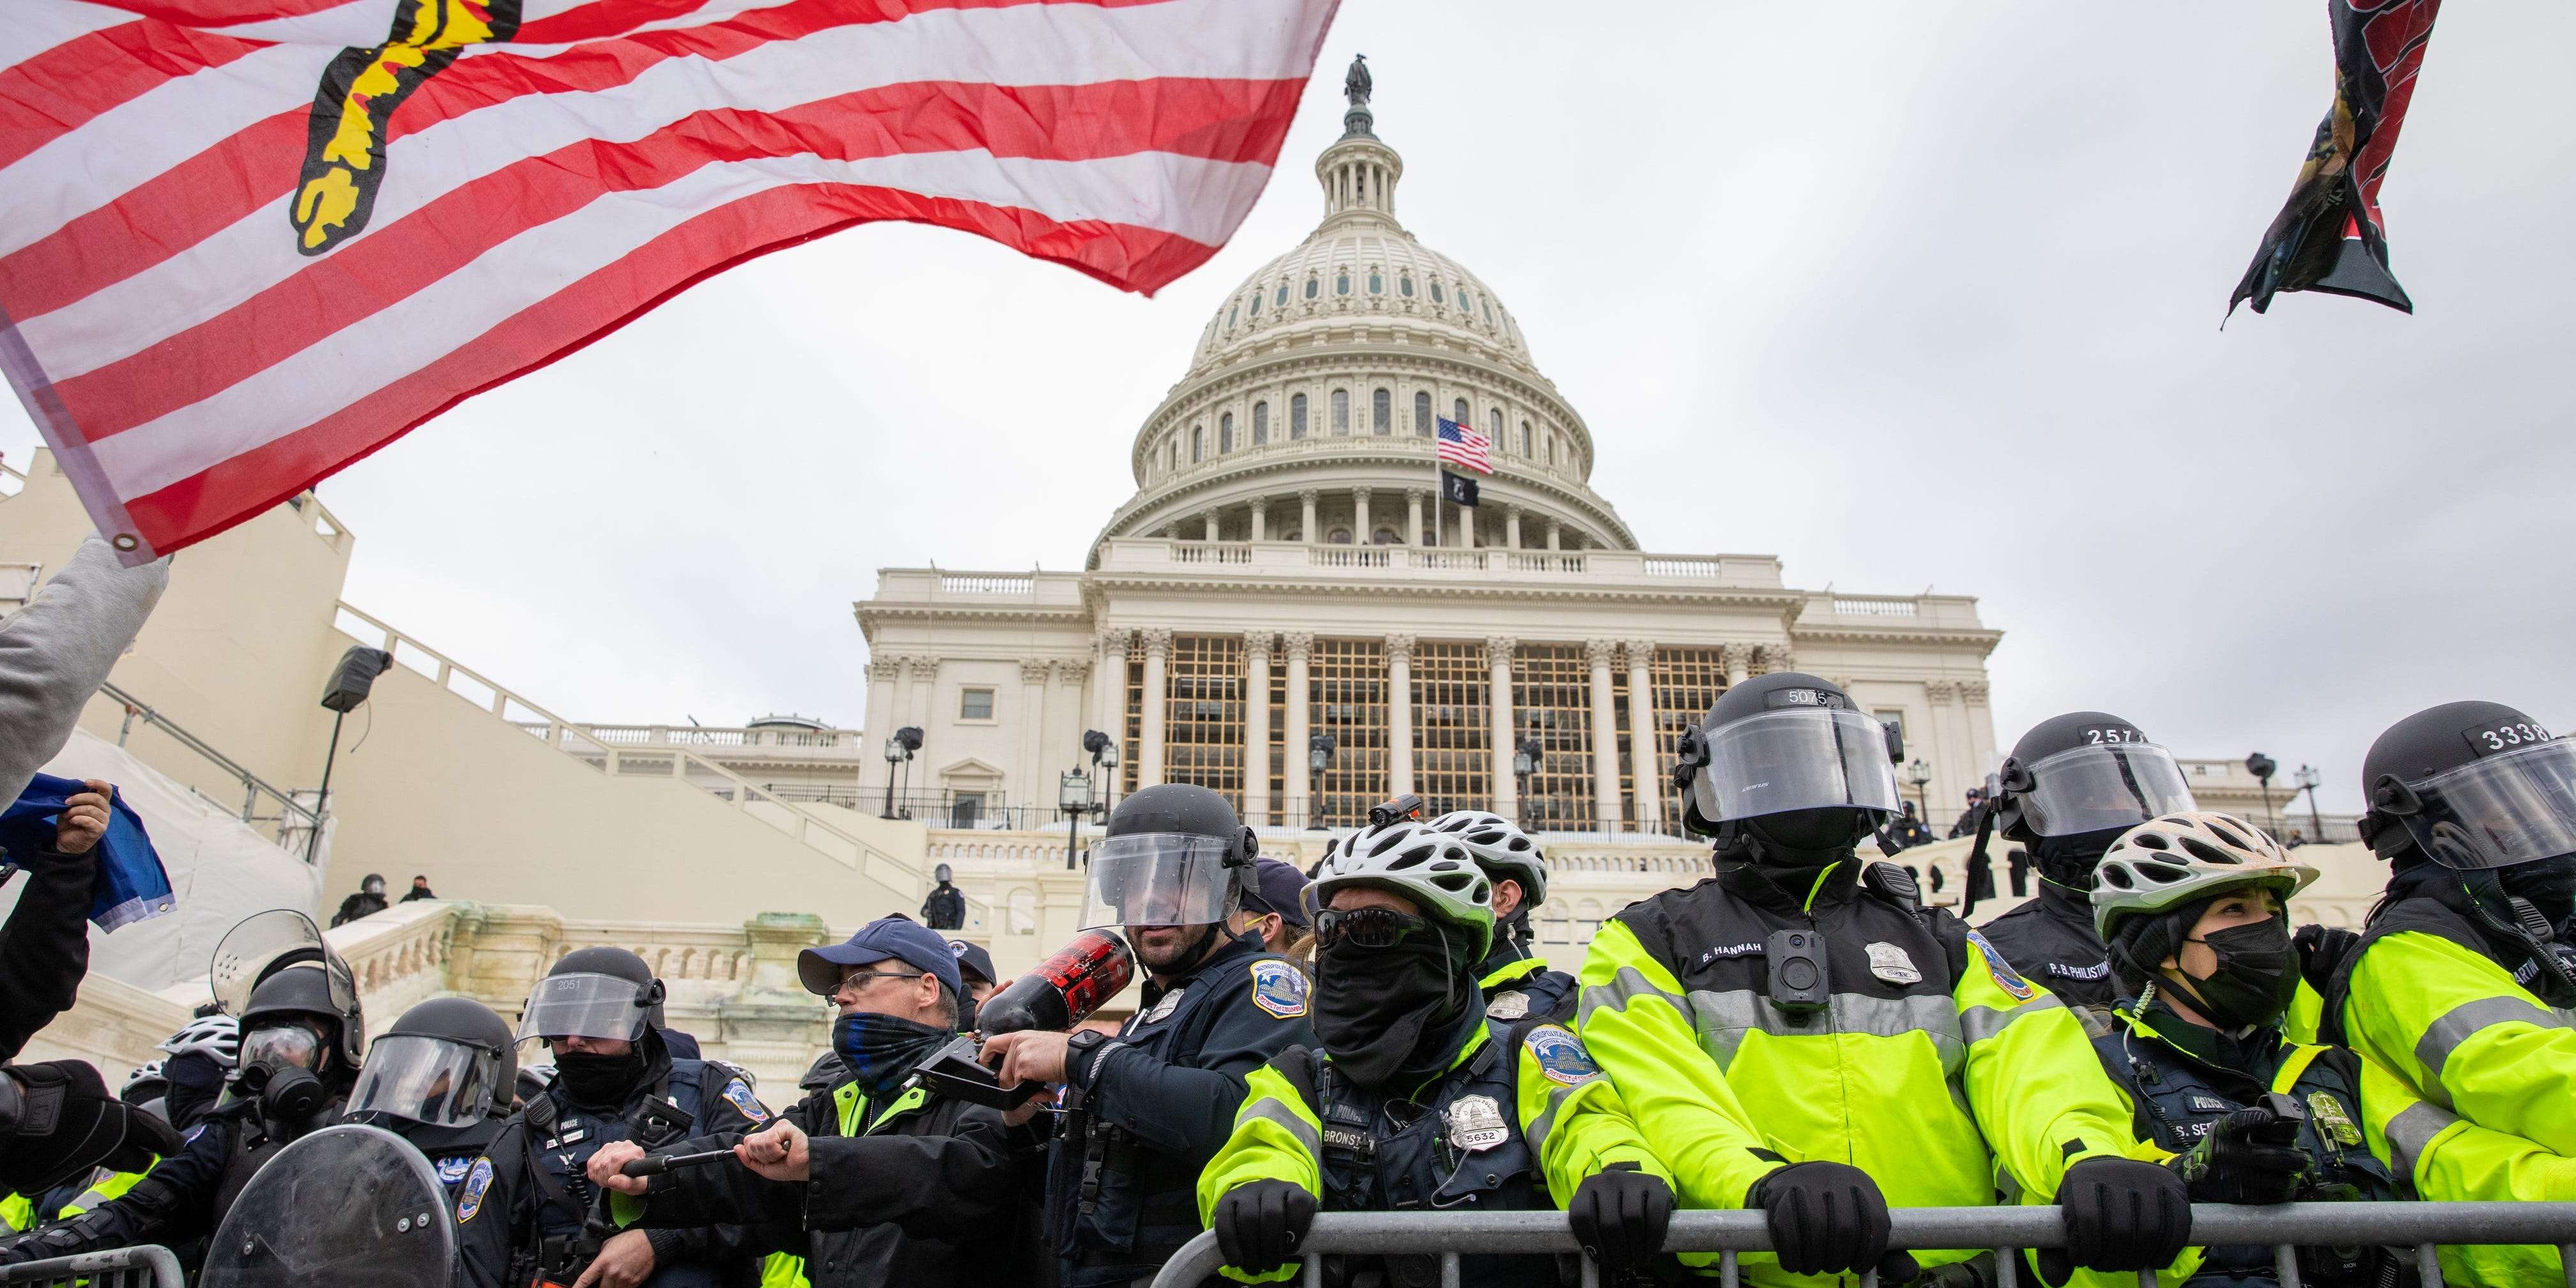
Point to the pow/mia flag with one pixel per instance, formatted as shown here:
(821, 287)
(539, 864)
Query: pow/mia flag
(1457, 488)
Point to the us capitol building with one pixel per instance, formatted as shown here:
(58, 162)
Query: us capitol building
(1279, 614)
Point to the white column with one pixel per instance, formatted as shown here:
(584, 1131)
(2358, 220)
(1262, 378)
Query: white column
(1605, 737)
(1552, 536)
(1298, 804)
(924, 671)
(1981, 742)
(1399, 714)
(1771, 658)
(885, 676)
(1256, 727)
(1738, 661)
(1261, 518)
(1466, 527)
(1306, 499)
(1032, 789)
(1065, 716)
(1498, 654)
(1109, 687)
(1413, 498)
(1211, 525)
(1511, 527)
(1641, 735)
(1947, 745)
(1149, 738)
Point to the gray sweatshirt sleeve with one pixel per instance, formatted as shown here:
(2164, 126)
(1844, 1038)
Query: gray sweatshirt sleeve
(55, 652)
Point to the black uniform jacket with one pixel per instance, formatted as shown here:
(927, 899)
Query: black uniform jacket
(2050, 940)
(922, 1194)
(44, 950)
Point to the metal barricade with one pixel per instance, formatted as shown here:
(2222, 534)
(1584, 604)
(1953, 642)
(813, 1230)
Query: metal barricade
(2007, 1230)
(144, 1267)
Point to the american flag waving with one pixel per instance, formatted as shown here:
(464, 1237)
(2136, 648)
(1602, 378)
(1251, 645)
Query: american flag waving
(244, 243)
(1462, 446)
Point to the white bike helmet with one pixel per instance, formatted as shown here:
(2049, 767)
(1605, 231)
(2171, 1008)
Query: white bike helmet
(1429, 867)
(1506, 852)
(218, 1036)
(2167, 862)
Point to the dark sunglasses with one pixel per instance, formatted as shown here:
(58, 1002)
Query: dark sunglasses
(1367, 927)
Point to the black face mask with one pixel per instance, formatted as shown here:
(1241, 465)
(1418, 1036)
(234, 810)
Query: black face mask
(2548, 885)
(598, 1081)
(2069, 860)
(1376, 1009)
(1807, 836)
(2257, 975)
(882, 1050)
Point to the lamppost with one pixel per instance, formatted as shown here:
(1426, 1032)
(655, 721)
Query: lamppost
(2308, 779)
(1526, 758)
(1104, 755)
(1919, 772)
(1073, 796)
(898, 751)
(1319, 757)
(351, 681)
(2263, 767)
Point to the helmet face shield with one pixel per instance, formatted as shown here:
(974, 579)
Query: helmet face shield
(583, 1005)
(2500, 810)
(1157, 879)
(262, 944)
(427, 1080)
(1801, 758)
(2104, 786)
(282, 1045)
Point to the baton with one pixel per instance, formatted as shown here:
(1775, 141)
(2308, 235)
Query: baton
(656, 1164)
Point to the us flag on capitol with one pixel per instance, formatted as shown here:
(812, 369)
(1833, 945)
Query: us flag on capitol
(244, 243)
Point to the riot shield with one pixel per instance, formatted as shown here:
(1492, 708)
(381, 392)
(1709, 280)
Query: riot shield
(264, 941)
(346, 1207)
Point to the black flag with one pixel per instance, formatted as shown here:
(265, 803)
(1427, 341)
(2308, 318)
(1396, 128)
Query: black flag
(2329, 237)
(1457, 488)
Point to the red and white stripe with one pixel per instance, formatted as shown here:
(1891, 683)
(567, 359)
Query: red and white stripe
(191, 367)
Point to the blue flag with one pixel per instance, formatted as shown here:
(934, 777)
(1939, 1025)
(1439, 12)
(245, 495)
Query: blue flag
(132, 885)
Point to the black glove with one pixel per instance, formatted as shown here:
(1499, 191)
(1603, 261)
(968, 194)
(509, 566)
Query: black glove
(2321, 949)
(1259, 1224)
(2122, 1216)
(1828, 1218)
(2249, 1156)
(60, 1122)
(1619, 1215)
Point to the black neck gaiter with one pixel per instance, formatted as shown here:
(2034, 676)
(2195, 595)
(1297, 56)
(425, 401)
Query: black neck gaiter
(1383, 1012)
(604, 1083)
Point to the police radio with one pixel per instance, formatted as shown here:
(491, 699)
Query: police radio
(1797, 967)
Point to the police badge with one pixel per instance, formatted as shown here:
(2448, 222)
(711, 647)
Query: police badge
(1476, 1122)
(1889, 962)
(1163, 1009)
(1510, 1004)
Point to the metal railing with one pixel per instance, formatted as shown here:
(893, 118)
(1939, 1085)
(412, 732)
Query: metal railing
(292, 817)
(2004, 1230)
(144, 1267)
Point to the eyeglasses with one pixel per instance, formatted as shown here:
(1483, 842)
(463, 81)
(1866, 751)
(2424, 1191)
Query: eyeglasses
(853, 979)
(1367, 927)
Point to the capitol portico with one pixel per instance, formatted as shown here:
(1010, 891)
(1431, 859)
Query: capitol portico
(1286, 569)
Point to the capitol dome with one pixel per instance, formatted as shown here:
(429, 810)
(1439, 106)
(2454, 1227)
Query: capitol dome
(1313, 393)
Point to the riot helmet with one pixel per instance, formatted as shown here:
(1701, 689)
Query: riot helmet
(2075, 783)
(297, 1043)
(1784, 764)
(276, 964)
(374, 884)
(942, 874)
(2473, 786)
(1175, 855)
(448, 1062)
(605, 993)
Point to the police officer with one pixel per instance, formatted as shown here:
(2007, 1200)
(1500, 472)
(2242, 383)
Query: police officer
(1150, 1107)
(1516, 981)
(301, 1034)
(2192, 908)
(945, 907)
(1497, 1115)
(2461, 983)
(600, 1010)
(2071, 787)
(1273, 905)
(1796, 1008)
(874, 1179)
(443, 1078)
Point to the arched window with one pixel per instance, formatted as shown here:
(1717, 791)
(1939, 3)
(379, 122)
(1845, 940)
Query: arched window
(1232, 314)
(1338, 537)
(1225, 433)
(1382, 412)
(1489, 311)
(1458, 411)
(1342, 283)
(1525, 439)
(1421, 412)
(1435, 291)
(1282, 299)
(1494, 423)
(1404, 286)
(1260, 423)
(1198, 444)
(1462, 295)
(1384, 536)
(1341, 411)
(1377, 284)
(1256, 304)
(1297, 416)
(1311, 286)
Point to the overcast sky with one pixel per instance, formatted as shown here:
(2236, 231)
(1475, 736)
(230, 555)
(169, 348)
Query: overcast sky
(1912, 296)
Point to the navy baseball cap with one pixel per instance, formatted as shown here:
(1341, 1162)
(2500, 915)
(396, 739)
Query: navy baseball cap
(1277, 887)
(893, 938)
(973, 962)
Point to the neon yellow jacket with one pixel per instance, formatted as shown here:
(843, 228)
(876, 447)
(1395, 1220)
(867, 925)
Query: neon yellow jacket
(18, 1211)
(1569, 1113)
(1968, 1081)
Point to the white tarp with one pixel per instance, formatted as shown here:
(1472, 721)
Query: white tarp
(221, 870)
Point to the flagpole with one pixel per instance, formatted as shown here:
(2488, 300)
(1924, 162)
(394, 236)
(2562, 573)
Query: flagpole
(1439, 502)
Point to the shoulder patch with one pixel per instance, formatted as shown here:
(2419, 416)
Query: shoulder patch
(469, 1201)
(452, 1170)
(2006, 978)
(1560, 1056)
(739, 1093)
(1279, 989)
